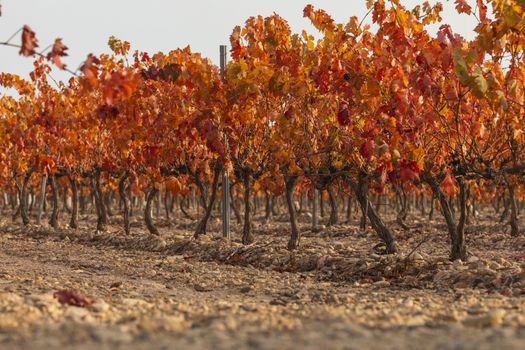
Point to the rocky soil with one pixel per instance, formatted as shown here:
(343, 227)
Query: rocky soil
(337, 292)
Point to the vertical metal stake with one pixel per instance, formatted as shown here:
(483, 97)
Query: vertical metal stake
(225, 175)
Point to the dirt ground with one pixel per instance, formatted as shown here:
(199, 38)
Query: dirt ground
(337, 292)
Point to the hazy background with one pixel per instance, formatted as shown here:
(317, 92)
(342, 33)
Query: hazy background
(158, 25)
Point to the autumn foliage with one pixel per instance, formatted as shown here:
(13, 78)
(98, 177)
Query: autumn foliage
(387, 111)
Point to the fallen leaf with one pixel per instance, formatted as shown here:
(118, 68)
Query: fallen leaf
(74, 298)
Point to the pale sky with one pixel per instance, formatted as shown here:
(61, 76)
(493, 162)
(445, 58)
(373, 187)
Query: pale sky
(161, 25)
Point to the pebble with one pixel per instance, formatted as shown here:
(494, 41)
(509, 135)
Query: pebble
(133, 302)
(458, 264)
(245, 289)
(99, 307)
(111, 336)
(76, 313)
(375, 256)
(472, 259)
(381, 284)
(202, 288)
(417, 257)
(413, 321)
(477, 309)
(495, 266)
(490, 319)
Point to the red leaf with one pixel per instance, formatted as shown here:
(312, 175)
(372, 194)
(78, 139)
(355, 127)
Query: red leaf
(57, 52)
(343, 116)
(367, 149)
(482, 8)
(448, 185)
(289, 114)
(408, 171)
(29, 42)
(74, 298)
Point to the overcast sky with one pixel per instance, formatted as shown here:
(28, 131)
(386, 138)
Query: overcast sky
(161, 25)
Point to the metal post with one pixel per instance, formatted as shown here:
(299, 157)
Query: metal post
(225, 176)
(223, 53)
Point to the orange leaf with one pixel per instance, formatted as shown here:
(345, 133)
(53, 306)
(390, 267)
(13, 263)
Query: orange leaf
(462, 6)
(173, 185)
(90, 69)
(119, 85)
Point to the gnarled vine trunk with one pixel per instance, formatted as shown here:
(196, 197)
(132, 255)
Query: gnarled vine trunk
(368, 210)
(102, 218)
(321, 203)
(289, 181)
(247, 237)
(125, 202)
(334, 216)
(456, 231)
(201, 226)
(167, 206)
(513, 221)
(403, 207)
(65, 205)
(24, 197)
(273, 203)
(233, 204)
(267, 208)
(107, 204)
(147, 212)
(183, 210)
(73, 222)
(349, 209)
(364, 215)
(53, 219)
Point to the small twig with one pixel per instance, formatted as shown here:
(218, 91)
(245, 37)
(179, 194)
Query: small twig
(245, 249)
(405, 261)
(363, 19)
(44, 50)
(7, 43)
(12, 36)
